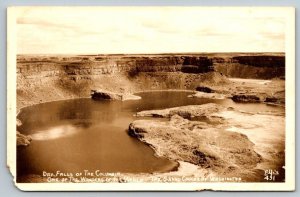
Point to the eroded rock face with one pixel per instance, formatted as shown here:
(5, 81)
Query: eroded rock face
(67, 77)
(261, 60)
(104, 94)
(197, 143)
(252, 66)
(23, 140)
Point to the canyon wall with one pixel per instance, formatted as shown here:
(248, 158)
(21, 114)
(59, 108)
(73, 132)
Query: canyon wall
(251, 66)
(47, 78)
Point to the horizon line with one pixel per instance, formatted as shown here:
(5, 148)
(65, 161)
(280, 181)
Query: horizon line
(164, 53)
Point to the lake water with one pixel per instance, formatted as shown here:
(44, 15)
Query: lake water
(84, 134)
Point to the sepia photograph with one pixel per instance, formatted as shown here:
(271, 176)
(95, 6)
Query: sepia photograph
(151, 98)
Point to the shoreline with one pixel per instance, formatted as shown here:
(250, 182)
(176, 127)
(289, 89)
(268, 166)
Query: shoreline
(178, 168)
(134, 92)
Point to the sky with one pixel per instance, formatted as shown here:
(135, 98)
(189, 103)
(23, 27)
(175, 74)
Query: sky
(97, 30)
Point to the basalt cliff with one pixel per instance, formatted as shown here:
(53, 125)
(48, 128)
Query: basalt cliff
(42, 78)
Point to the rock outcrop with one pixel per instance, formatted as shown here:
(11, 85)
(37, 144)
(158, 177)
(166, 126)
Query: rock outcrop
(207, 141)
(207, 92)
(23, 140)
(198, 143)
(188, 112)
(204, 89)
(103, 94)
(242, 98)
(276, 99)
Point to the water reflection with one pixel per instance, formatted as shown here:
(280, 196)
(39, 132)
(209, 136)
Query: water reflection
(55, 132)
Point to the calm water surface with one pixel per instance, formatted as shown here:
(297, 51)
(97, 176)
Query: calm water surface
(83, 134)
